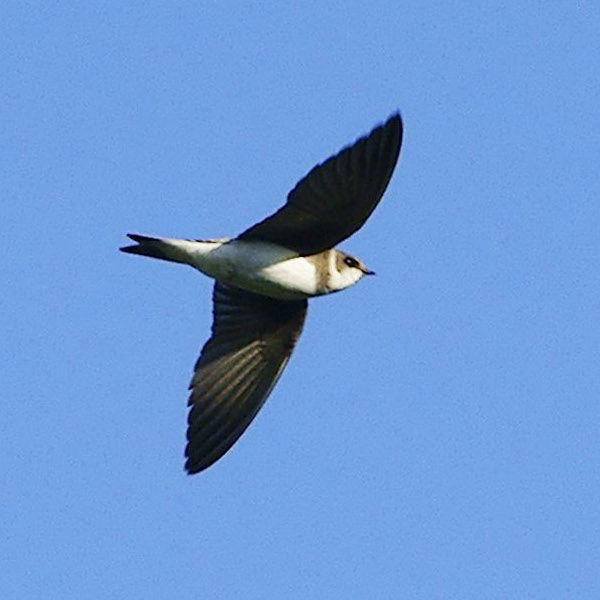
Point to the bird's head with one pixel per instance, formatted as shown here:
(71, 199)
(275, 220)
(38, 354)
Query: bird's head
(347, 271)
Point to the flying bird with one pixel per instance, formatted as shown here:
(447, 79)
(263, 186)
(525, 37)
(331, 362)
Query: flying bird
(263, 278)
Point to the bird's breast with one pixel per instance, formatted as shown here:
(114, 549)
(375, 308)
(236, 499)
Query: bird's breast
(293, 278)
(262, 268)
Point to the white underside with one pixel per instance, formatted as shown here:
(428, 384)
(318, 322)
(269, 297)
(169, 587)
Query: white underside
(255, 266)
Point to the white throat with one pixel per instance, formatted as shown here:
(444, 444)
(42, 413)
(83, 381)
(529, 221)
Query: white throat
(342, 278)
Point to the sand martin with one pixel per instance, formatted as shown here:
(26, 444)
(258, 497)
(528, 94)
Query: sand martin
(263, 278)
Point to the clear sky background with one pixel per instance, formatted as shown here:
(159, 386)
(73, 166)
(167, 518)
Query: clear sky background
(436, 433)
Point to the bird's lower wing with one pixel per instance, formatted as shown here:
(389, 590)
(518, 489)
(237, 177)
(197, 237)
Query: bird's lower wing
(252, 339)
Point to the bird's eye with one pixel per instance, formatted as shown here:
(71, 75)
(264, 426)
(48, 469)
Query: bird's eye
(351, 262)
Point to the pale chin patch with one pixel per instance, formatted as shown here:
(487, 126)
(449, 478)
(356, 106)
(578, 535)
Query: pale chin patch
(348, 277)
(339, 280)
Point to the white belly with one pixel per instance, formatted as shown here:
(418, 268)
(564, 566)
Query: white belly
(258, 267)
(293, 278)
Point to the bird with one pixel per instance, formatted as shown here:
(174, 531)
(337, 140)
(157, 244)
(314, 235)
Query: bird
(263, 280)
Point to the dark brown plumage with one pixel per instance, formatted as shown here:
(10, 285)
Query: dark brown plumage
(252, 339)
(336, 197)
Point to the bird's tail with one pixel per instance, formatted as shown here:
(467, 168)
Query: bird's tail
(163, 248)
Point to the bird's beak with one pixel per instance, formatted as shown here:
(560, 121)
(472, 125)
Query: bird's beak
(367, 272)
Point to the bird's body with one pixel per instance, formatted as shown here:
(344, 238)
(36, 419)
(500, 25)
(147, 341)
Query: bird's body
(264, 277)
(255, 266)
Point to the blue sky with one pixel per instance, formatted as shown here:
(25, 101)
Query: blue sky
(435, 434)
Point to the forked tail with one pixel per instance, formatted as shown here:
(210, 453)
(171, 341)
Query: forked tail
(165, 249)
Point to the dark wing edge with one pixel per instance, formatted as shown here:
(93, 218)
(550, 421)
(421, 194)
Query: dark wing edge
(337, 196)
(252, 339)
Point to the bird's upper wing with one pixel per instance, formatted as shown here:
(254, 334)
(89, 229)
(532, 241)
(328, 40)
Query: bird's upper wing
(252, 339)
(336, 197)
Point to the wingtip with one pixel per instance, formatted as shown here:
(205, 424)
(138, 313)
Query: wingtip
(193, 468)
(393, 130)
(395, 120)
(189, 471)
